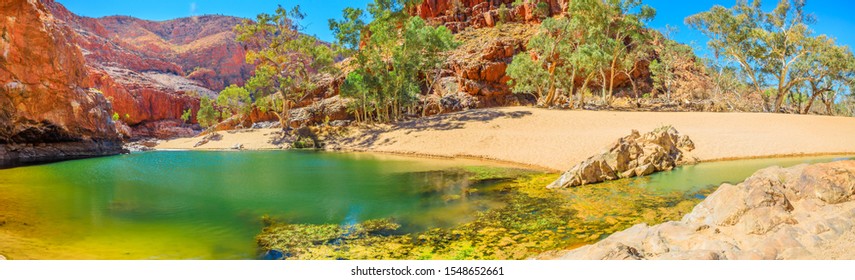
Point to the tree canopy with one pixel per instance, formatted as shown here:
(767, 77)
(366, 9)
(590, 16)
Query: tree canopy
(286, 60)
(400, 55)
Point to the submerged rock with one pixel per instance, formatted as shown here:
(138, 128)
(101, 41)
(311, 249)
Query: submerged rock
(634, 155)
(802, 212)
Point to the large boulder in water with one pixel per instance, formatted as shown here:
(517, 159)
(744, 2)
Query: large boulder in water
(633, 155)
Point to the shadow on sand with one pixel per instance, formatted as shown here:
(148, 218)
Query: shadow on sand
(440, 122)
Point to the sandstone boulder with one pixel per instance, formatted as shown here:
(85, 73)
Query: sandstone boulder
(634, 155)
(802, 212)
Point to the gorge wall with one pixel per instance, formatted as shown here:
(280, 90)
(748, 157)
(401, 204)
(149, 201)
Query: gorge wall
(47, 111)
(492, 32)
(152, 71)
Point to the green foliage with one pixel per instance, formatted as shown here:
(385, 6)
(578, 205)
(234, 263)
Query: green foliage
(236, 100)
(207, 114)
(402, 55)
(503, 13)
(263, 83)
(618, 28)
(662, 68)
(115, 116)
(185, 116)
(828, 70)
(347, 31)
(554, 47)
(542, 10)
(594, 37)
(286, 60)
(766, 45)
(268, 103)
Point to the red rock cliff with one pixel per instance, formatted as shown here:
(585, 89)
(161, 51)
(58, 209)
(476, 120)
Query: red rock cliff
(47, 111)
(152, 71)
(457, 15)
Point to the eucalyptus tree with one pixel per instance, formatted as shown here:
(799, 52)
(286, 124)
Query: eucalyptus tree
(236, 99)
(399, 55)
(827, 70)
(669, 55)
(207, 114)
(605, 38)
(286, 60)
(766, 45)
(625, 36)
(550, 64)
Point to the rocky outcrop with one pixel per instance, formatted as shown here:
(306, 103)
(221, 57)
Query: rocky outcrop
(475, 72)
(165, 129)
(47, 111)
(802, 212)
(152, 71)
(324, 111)
(634, 155)
(457, 15)
(202, 44)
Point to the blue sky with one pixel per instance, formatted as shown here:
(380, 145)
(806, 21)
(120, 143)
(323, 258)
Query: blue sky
(834, 17)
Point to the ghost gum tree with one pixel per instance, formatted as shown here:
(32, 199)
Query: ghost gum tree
(549, 64)
(398, 56)
(593, 38)
(776, 50)
(828, 70)
(286, 60)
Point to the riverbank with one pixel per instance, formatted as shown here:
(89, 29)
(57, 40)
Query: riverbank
(802, 212)
(557, 139)
(248, 139)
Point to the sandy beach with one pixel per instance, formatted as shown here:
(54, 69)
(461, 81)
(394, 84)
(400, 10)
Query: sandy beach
(254, 139)
(557, 139)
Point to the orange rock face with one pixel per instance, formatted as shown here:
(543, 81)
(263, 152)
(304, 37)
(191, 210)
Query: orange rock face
(179, 46)
(153, 71)
(47, 111)
(457, 15)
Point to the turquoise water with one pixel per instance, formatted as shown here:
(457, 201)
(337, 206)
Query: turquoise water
(693, 178)
(208, 205)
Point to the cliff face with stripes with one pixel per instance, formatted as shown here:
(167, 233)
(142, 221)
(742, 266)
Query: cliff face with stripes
(152, 71)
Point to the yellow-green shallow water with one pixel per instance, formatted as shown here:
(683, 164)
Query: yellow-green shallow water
(208, 205)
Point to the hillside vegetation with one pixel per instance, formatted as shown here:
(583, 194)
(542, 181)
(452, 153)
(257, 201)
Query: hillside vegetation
(418, 58)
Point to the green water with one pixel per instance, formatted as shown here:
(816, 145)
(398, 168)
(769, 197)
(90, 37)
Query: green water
(693, 178)
(208, 205)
